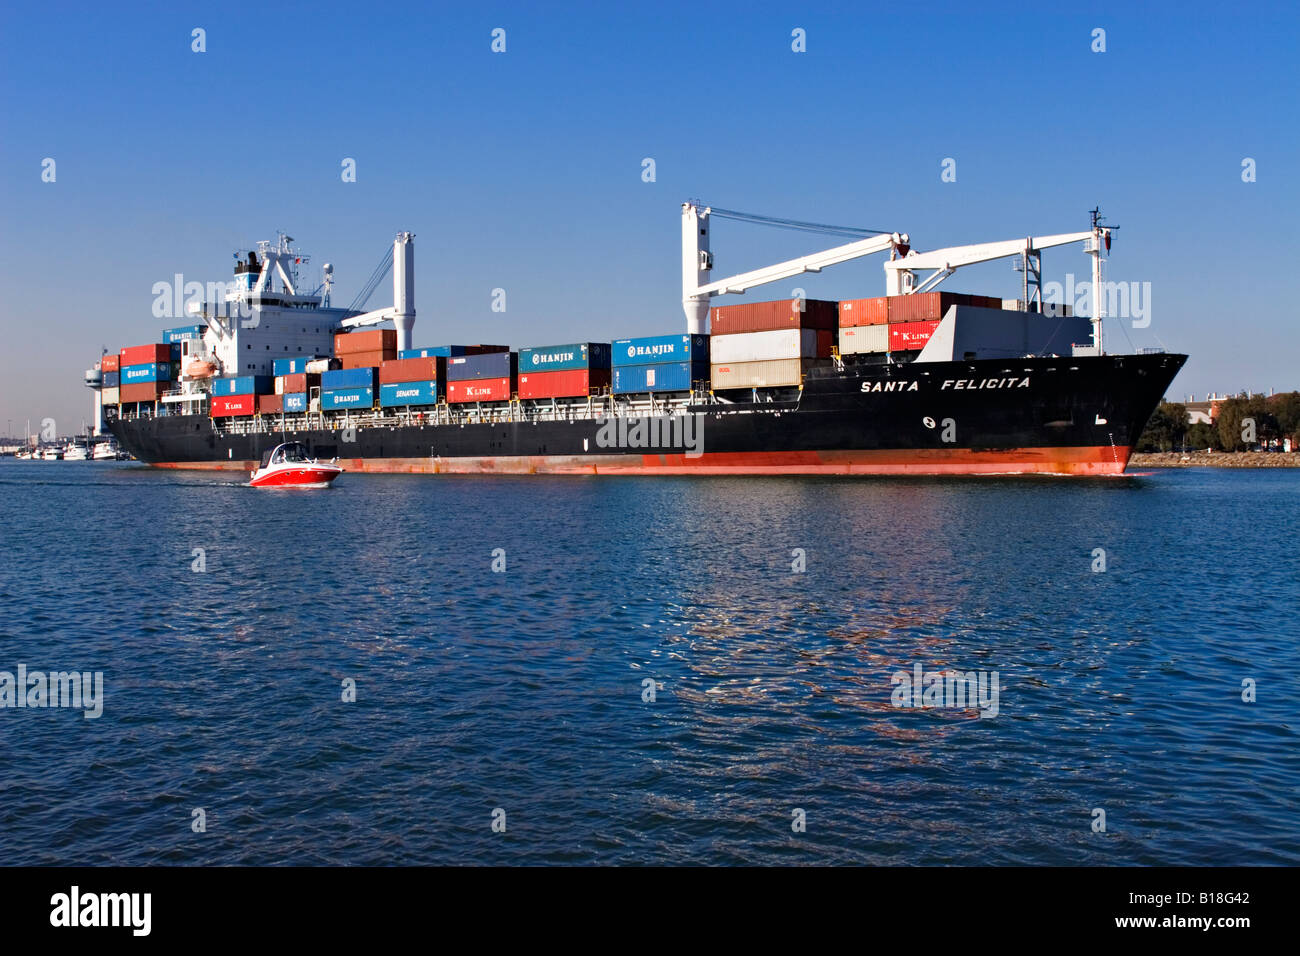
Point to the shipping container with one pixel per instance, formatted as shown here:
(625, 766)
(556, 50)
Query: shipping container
(110, 363)
(366, 359)
(479, 390)
(243, 385)
(335, 399)
(930, 306)
(859, 312)
(768, 316)
(295, 401)
(321, 365)
(859, 339)
(111, 379)
(562, 358)
(368, 340)
(909, 336)
(298, 382)
(433, 351)
(349, 378)
(141, 391)
(270, 404)
(764, 346)
(659, 377)
(110, 396)
(153, 372)
(292, 366)
(174, 336)
(431, 368)
(770, 374)
(484, 349)
(175, 355)
(144, 354)
(279, 385)
(398, 394)
(566, 383)
(655, 349)
(485, 365)
(224, 406)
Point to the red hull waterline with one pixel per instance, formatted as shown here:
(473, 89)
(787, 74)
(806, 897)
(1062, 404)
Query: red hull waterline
(1088, 461)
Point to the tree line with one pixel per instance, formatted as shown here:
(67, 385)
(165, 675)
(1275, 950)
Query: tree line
(1275, 417)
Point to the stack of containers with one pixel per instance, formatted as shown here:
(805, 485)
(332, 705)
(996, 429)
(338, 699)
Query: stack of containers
(109, 366)
(486, 377)
(563, 371)
(659, 363)
(293, 381)
(365, 349)
(411, 381)
(143, 372)
(770, 344)
(345, 388)
(238, 394)
(864, 326)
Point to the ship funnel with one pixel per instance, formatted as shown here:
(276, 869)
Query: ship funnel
(404, 287)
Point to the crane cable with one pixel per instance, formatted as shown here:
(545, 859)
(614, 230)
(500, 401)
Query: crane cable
(794, 224)
(376, 277)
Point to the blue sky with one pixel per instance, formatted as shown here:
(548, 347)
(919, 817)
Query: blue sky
(522, 170)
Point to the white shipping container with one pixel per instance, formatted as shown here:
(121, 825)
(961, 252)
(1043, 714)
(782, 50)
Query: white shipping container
(109, 396)
(766, 374)
(279, 385)
(864, 338)
(763, 346)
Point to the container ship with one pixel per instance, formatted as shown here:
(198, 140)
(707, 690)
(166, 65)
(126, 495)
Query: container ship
(917, 381)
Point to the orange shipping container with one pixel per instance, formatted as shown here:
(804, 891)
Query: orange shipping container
(295, 383)
(366, 359)
(768, 316)
(142, 391)
(146, 354)
(858, 312)
(109, 363)
(925, 306)
(371, 340)
(392, 371)
(270, 404)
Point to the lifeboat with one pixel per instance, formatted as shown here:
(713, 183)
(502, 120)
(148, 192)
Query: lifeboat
(289, 466)
(197, 368)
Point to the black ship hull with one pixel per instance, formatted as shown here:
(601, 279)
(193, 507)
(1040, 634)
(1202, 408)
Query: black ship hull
(1062, 415)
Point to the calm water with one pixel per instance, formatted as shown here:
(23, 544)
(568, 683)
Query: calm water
(523, 690)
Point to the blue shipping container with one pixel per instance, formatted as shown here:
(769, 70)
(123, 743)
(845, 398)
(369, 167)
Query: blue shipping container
(291, 366)
(560, 358)
(432, 351)
(176, 351)
(408, 393)
(348, 378)
(666, 377)
(153, 372)
(488, 365)
(295, 402)
(244, 385)
(111, 379)
(336, 398)
(174, 336)
(654, 349)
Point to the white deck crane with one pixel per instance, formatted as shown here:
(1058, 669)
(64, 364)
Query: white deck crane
(402, 311)
(697, 264)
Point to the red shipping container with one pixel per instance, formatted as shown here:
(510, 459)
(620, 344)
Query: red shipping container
(479, 390)
(371, 340)
(295, 383)
(270, 404)
(925, 306)
(859, 312)
(825, 342)
(142, 391)
(366, 359)
(567, 383)
(412, 370)
(223, 406)
(768, 316)
(146, 354)
(909, 336)
(109, 363)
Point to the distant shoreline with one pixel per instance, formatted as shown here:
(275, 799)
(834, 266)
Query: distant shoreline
(1200, 459)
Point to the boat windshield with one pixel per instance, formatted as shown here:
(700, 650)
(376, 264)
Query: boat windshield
(290, 452)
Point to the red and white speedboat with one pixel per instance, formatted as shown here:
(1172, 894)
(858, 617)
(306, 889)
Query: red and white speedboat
(288, 466)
